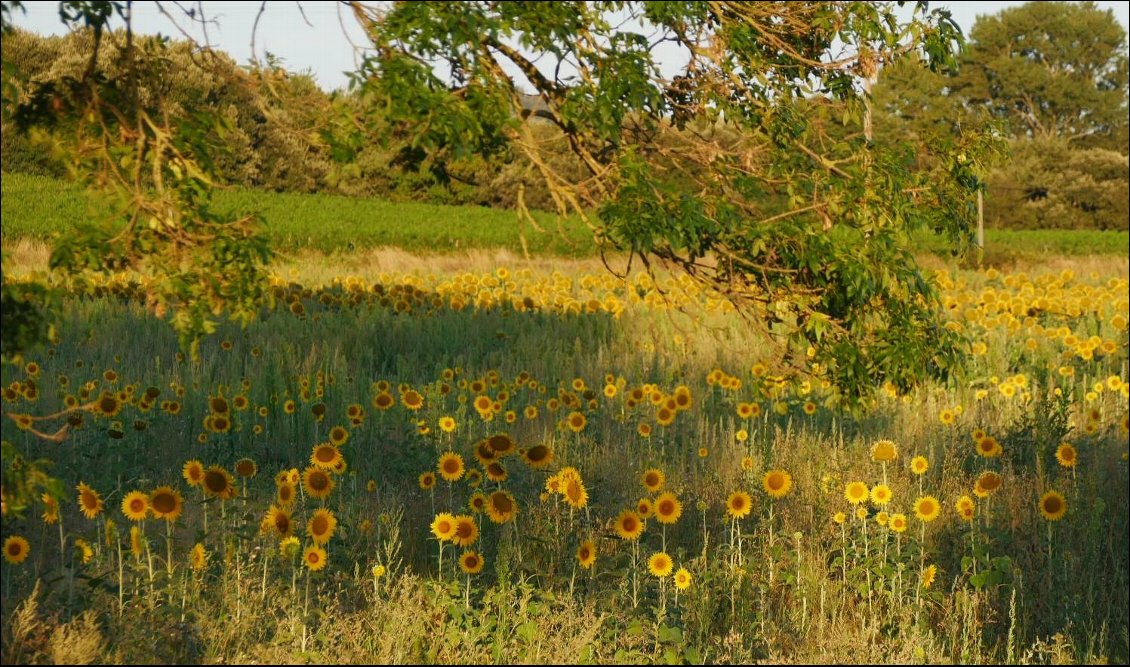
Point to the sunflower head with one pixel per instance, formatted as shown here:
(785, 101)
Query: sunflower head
(16, 549)
(1053, 506)
(471, 562)
(586, 554)
(501, 506)
(135, 506)
(89, 501)
(166, 503)
(927, 508)
(739, 504)
(629, 525)
(660, 564)
(777, 483)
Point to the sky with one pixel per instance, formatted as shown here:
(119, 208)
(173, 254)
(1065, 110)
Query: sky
(324, 39)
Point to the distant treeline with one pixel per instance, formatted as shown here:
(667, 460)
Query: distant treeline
(276, 130)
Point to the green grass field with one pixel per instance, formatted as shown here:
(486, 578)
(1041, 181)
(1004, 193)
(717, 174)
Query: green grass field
(37, 207)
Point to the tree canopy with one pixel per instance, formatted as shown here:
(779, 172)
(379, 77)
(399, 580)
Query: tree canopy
(753, 169)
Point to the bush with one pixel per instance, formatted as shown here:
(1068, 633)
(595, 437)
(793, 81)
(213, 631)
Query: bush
(1050, 184)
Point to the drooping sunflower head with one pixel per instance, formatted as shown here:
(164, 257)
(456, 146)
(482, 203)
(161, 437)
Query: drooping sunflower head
(538, 456)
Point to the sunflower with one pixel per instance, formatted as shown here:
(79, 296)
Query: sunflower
(897, 523)
(586, 554)
(1066, 455)
(412, 400)
(538, 456)
(629, 525)
(383, 401)
(501, 506)
(988, 482)
(644, 429)
(325, 455)
(246, 468)
(576, 422)
(89, 501)
(16, 549)
(198, 559)
(881, 494)
(653, 479)
(427, 480)
(660, 564)
(166, 503)
(645, 508)
(668, 509)
(839, 517)
(502, 445)
(317, 482)
(447, 424)
(665, 416)
(193, 472)
(285, 494)
(314, 557)
(928, 575)
(884, 451)
(338, 436)
(471, 562)
(477, 502)
(739, 505)
(919, 465)
(466, 531)
(574, 491)
(278, 519)
(50, 509)
(496, 472)
(966, 507)
(86, 554)
(321, 526)
(289, 547)
(927, 508)
(135, 506)
(218, 482)
(988, 447)
(856, 493)
(1053, 506)
(777, 483)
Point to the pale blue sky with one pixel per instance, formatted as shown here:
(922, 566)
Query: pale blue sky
(327, 47)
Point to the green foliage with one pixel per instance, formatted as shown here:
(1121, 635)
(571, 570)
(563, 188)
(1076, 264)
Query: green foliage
(154, 175)
(795, 216)
(1051, 184)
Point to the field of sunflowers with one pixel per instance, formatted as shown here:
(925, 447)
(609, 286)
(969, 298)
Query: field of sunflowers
(537, 465)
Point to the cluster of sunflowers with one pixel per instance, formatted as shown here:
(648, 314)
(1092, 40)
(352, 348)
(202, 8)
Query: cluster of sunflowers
(512, 444)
